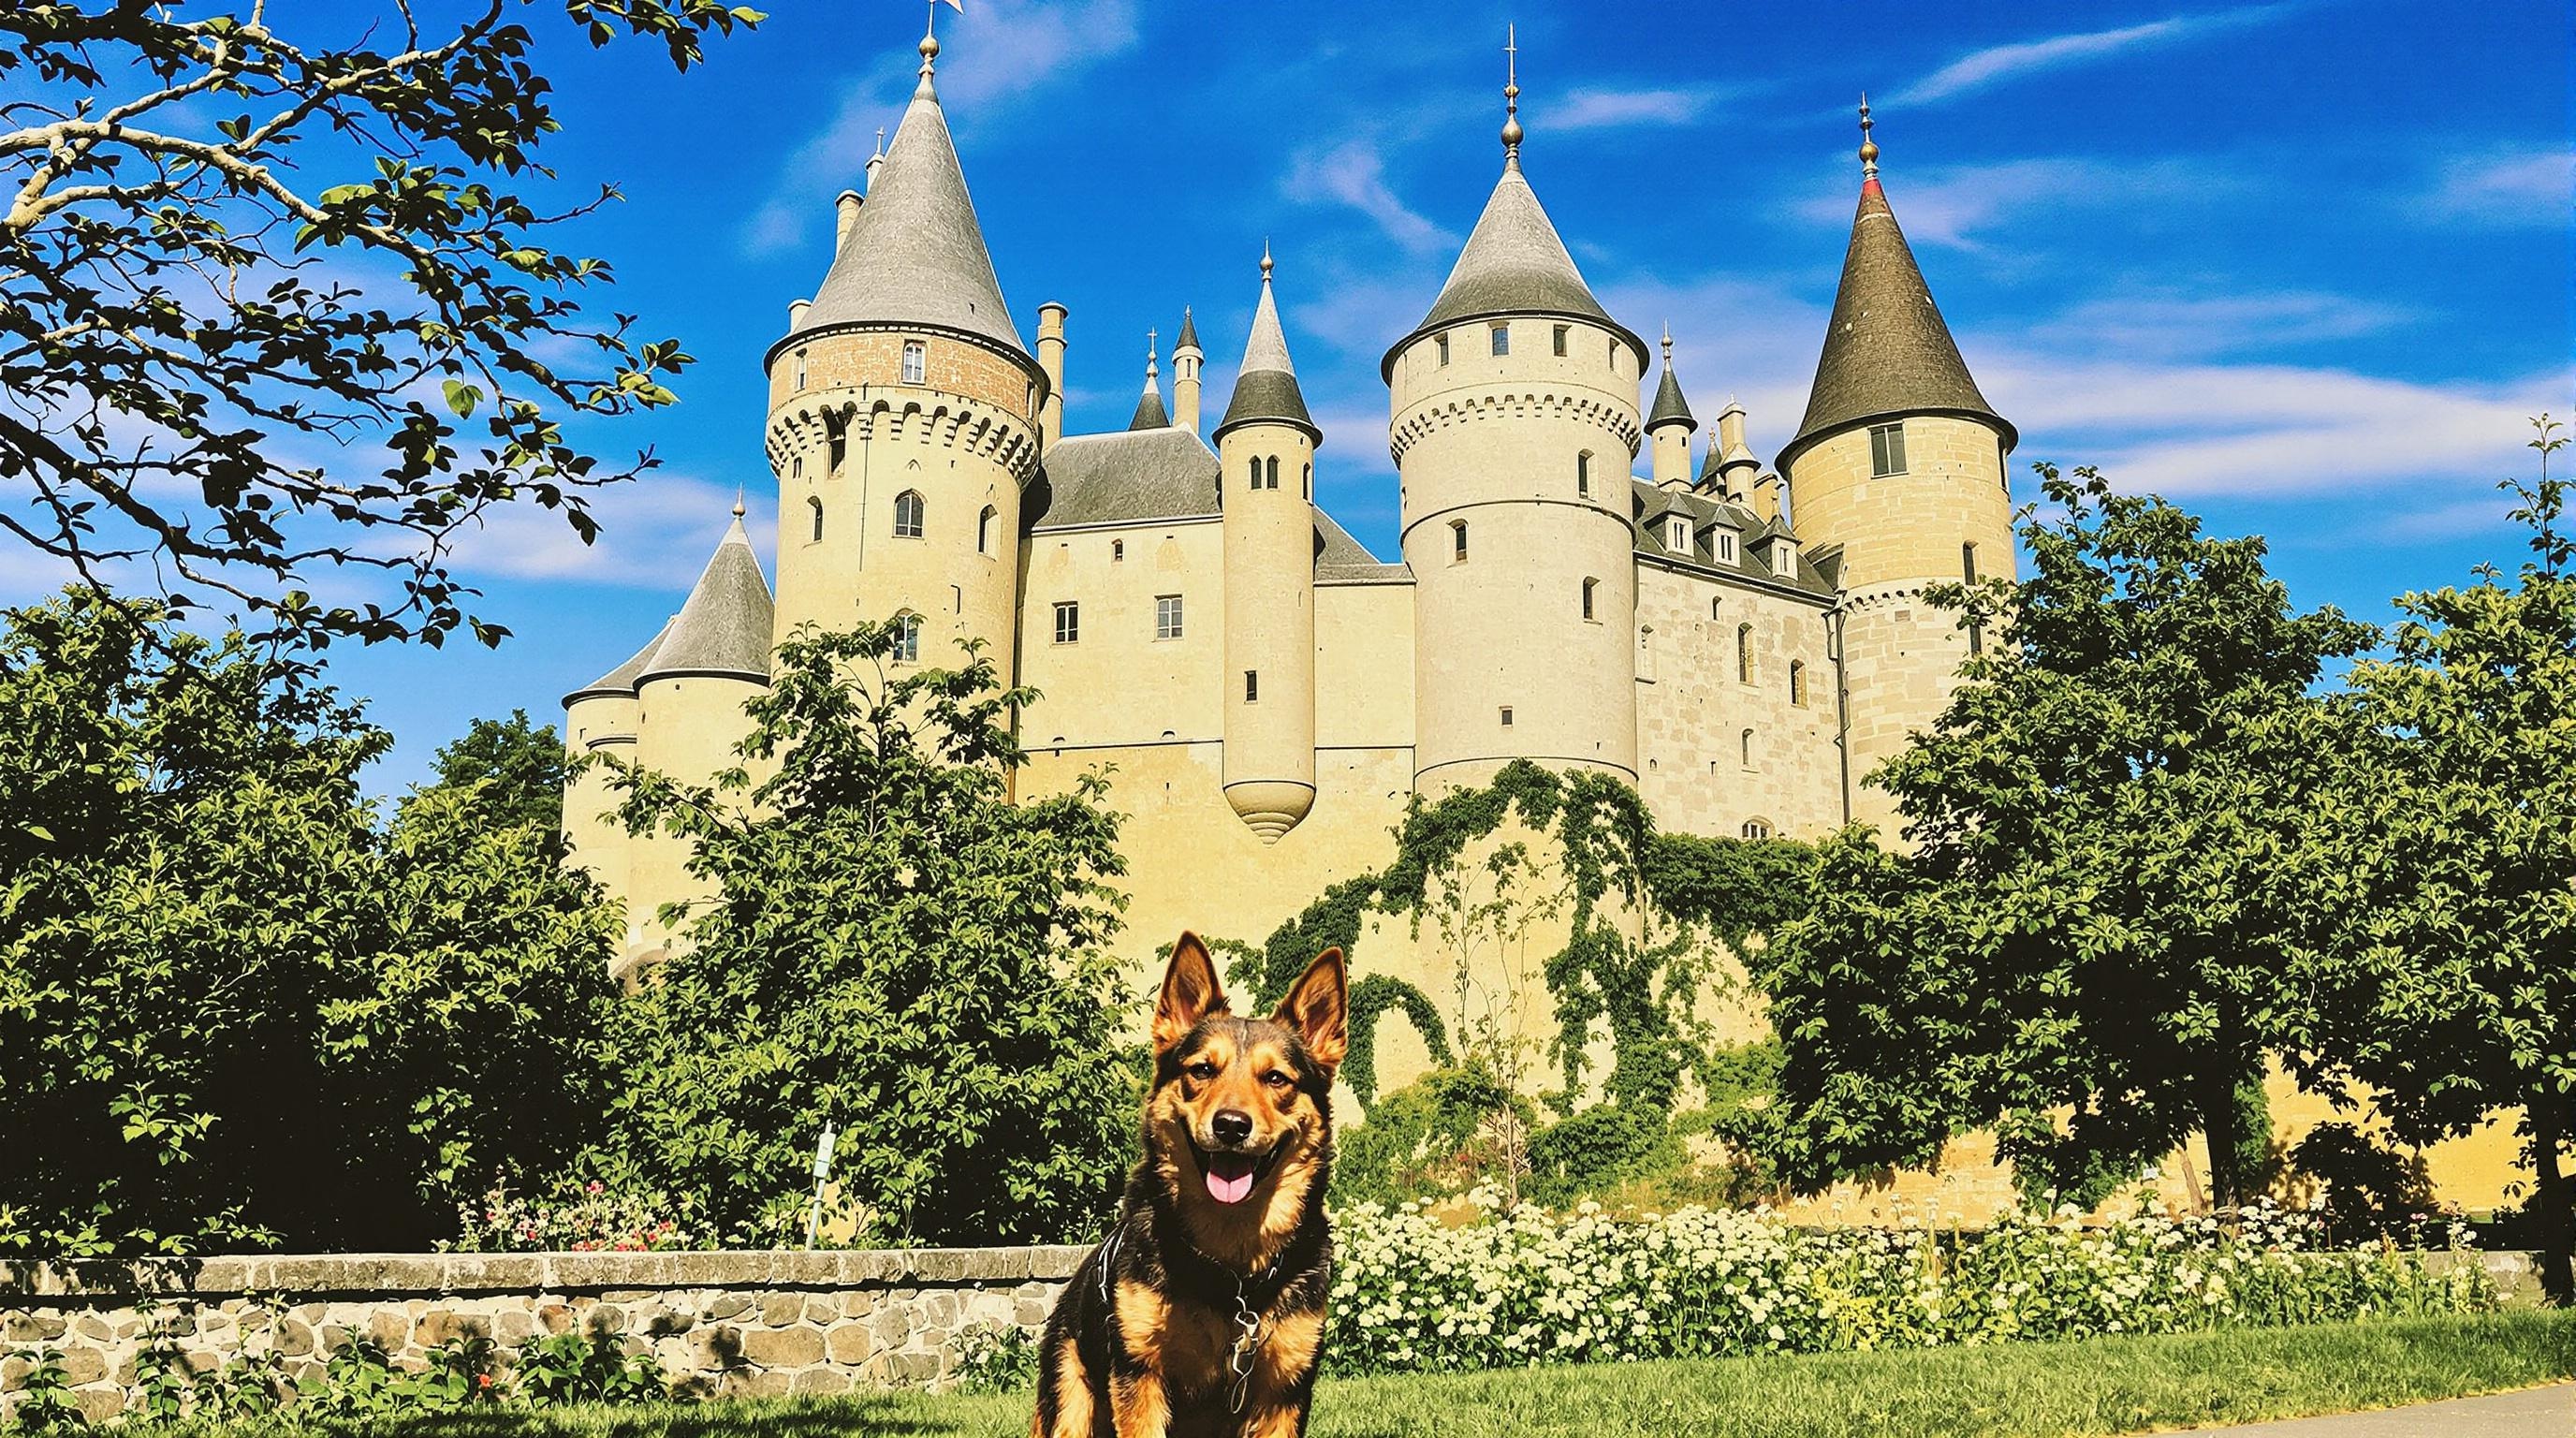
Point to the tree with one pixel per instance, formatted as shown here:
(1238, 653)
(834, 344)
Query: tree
(232, 1010)
(188, 319)
(2443, 966)
(509, 771)
(2071, 948)
(894, 946)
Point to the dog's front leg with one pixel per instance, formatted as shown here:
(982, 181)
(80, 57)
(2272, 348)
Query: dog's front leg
(1283, 1381)
(1139, 1405)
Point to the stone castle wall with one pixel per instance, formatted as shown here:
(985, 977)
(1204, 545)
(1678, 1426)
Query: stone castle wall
(720, 1324)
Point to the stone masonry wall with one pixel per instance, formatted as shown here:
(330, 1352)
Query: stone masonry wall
(733, 1324)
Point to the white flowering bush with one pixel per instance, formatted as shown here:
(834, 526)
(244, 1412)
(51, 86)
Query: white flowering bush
(1413, 1292)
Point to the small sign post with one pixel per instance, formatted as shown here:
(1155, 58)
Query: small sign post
(822, 1170)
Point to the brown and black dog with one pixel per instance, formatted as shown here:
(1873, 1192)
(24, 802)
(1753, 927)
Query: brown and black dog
(1203, 1311)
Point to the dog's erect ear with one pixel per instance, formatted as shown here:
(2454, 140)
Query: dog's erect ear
(1190, 993)
(1318, 1007)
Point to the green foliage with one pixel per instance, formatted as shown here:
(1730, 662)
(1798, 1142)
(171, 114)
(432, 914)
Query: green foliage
(232, 1009)
(45, 1400)
(2368, 1189)
(1593, 1149)
(2083, 947)
(508, 771)
(153, 146)
(996, 1358)
(579, 1367)
(894, 945)
(1422, 1139)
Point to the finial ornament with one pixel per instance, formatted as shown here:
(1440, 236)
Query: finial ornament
(1868, 146)
(737, 502)
(929, 48)
(1153, 352)
(1668, 344)
(1511, 97)
(1265, 259)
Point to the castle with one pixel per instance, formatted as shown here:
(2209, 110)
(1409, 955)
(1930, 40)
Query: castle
(1740, 642)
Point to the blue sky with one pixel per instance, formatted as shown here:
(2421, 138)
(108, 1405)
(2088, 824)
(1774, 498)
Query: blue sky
(2304, 267)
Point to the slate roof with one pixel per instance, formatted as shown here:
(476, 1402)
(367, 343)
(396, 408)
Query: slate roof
(1340, 559)
(1653, 502)
(725, 627)
(1513, 264)
(1265, 388)
(1128, 477)
(620, 681)
(1887, 351)
(1670, 408)
(1150, 413)
(1189, 339)
(916, 254)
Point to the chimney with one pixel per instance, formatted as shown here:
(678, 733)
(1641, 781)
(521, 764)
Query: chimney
(1736, 465)
(1051, 317)
(845, 217)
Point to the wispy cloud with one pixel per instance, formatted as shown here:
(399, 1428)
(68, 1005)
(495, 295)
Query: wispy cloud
(2527, 188)
(1354, 174)
(1954, 205)
(1998, 63)
(655, 534)
(1596, 107)
(2177, 323)
(1004, 50)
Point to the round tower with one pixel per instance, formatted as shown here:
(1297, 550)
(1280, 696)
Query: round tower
(599, 720)
(1899, 463)
(1265, 449)
(905, 415)
(1186, 356)
(1514, 421)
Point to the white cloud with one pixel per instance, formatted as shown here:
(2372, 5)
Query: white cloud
(2175, 323)
(1598, 107)
(1001, 52)
(655, 533)
(2529, 188)
(1999, 63)
(1953, 205)
(1354, 174)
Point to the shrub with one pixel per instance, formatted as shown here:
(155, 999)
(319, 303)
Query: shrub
(1412, 1293)
(996, 1358)
(580, 1218)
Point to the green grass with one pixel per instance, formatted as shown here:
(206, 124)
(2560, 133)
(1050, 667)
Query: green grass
(2023, 1390)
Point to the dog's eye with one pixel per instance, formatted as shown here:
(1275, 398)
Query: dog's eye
(1202, 1070)
(1276, 1079)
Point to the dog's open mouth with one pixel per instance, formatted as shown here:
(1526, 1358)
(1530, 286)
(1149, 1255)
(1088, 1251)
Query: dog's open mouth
(1230, 1176)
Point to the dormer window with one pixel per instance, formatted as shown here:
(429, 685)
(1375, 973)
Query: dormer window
(1722, 541)
(916, 362)
(1677, 535)
(1784, 558)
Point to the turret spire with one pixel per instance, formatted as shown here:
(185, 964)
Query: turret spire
(1868, 146)
(929, 54)
(1511, 97)
(1150, 413)
(1265, 388)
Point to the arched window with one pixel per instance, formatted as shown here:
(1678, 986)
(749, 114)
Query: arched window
(1255, 463)
(837, 452)
(1310, 482)
(1757, 829)
(916, 362)
(984, 529)
(1273, 465)
(1968, 575)
(907, 639)
(1457, 539)
(800, 369)
(1582, 470)
(907, 514)
(1712, 607)
(815, 508)
(796, 467)
(1744, 655)
(1747, 742)
(1798, 682)
(1589, 586)
(1117, 550)
(1441, 342)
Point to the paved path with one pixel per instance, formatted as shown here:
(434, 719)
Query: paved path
(2533, 1413)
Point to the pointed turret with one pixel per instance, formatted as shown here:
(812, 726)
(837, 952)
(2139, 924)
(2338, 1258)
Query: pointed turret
(1149, 405)
(1514, 263)
(1265, 389)
(1668, 426)
(914, 253)
(621, 680)
(1186, 359)
(725, 627)
(1887, 351)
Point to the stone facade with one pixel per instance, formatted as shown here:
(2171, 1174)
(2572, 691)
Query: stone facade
(719, 1324)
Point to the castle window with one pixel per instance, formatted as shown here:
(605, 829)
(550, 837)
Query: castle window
(1798, 682)
(1562, 332)
(800, 369)
(1255, 465)
(1677, 535)
(1968, 575)
(1251, 686)
(816, 507)
(1309, 481)
(907, 639)
(1784, 559)
(1502, 339)
(916, 362)
(907, 514)
(984, 529)
(1117, 550)
(1713, 604)
(1507, 716)
(1583, 461)
(1441, 342)
(1721, 541)
(1756, 829)
(1886, 449)
(1167, 616)
(1589, 586)
(796, 467)
(836, 452)
(1068, 622)
(1744, 654)
(1747, 743)
(1457, 539)
(1271, 466)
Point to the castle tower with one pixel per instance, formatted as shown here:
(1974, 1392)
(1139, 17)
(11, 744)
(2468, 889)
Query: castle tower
(905, 415)
(1513, 424)
(1149, 405)
(690, 688)
(599, 719)
(1668, 427)
(1900, 462)
(1733, 462)
(1186, 358)
(1265, 449)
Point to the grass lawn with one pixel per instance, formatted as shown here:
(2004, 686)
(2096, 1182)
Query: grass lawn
(2108, 1385)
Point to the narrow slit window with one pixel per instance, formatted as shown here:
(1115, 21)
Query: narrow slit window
(1440, 343)
(1117, 550)
(1582, 466)
(1254, 465)
(1270, 468)
(1310, 481)
(800, 369)
(815, 508)
(984, 529)
(1744, 654)
(908, 514)
(1563, 332)
(1886, 449)
(1968, 575)
(1746, 743)
(1457, 539)
(1798, 682)
(916, 362)
(1502, 339)
(1251, 686)
(1590, 586)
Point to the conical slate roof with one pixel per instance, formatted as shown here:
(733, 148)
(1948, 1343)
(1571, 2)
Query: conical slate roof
(620, 681)
(1887, 351)
(1265, 388)
(1513, 264)
(916, 255)
(724, 628)
(1669, 405)
(1150, 413)
(1189, 339)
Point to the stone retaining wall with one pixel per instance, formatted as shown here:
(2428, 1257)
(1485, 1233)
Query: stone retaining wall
(718, 1323)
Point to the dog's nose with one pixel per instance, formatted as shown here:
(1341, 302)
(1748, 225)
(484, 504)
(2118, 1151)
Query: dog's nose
(1231, 1126)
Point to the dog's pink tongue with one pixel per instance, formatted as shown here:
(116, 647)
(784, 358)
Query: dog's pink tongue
(1229, 1177)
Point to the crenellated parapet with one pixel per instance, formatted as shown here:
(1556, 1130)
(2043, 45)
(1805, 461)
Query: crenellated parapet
(1456, 409)
(963, 425)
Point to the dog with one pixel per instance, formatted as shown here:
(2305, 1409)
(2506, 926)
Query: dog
(1202, 1313)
